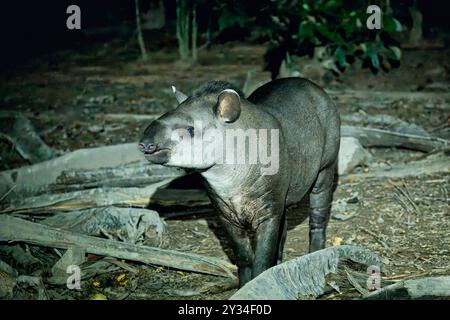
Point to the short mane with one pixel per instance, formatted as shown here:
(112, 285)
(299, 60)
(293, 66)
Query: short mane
(215, 87)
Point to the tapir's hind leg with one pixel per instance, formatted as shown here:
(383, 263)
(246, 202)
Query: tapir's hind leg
(320, 200)
(282, 238)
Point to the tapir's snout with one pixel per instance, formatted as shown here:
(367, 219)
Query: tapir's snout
(152, 138)
(153, 153)
(153, 144)
(147, 147)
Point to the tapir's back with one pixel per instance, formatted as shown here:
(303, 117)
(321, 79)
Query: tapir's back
(309, 122)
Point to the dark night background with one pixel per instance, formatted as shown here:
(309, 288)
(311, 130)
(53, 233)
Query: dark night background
(30, 28)
(73, 93)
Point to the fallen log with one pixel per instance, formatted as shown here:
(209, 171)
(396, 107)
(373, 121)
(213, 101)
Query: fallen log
(137, 175)
(35, 179)
(385, 99)
(426, 288)
(25, 140)
(384, 121)
(92, 198)
(132, 117)
(371, 137)
(119, 197)
(432, 165)
(19, 230)
(304, 276)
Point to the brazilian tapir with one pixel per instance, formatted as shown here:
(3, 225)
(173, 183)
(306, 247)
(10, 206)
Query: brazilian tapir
(305, 133)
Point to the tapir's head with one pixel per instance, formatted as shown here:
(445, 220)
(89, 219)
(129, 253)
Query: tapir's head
(180, 137)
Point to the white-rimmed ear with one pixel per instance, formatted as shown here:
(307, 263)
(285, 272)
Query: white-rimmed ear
(181, 97)
(228, 106)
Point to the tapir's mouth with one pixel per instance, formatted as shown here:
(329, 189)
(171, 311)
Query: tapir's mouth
(160, 156)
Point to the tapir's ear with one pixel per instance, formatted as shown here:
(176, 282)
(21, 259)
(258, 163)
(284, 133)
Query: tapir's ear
(181, 97)
(228, 106)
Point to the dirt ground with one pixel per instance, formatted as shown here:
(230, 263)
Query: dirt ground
(67, 94)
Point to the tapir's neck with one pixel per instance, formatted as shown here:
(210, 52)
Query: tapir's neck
(227, 179)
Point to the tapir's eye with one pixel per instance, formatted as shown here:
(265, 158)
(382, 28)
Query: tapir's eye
(190, 130)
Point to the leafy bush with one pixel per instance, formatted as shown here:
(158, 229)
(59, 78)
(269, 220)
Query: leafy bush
(297, 27)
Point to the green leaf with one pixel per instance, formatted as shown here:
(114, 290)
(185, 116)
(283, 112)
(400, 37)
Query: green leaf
(350, 48)
(398, 25)
(374, 59)
(305, 31)
(391, 25)
(340, 57)
(332, 36)
(396, 52)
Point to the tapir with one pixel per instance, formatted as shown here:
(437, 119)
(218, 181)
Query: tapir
(251, 198)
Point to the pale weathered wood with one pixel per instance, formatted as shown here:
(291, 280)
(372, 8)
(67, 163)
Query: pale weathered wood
(304, 276)
(25, 140)
(15, 229)
(121, 197)
(371, 137)
(131, 117)
(111, 166)
(434, 164)
(385, 99)
(92, 198)
(37, 178)
(135, 175)
(383, 121)
(426, 288)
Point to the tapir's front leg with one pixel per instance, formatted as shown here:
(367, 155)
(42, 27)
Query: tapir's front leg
(266, 245)
(242, 249)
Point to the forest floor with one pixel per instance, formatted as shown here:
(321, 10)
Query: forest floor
(67, 94)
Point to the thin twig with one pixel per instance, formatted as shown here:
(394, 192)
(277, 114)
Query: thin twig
(377, 238)
(8, 192)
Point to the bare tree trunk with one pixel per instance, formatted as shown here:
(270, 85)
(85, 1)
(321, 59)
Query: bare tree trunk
(182, 29)
(415, 35)
(15, 229)
(194, 34)
(139, 32)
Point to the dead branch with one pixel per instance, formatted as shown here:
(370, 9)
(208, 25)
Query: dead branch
(385, 99)
(137, 175)
(92, 198)
(384, 121)
(426, 288)
(37, 178)
(15, 229)
(376, 237)
(131, 117)
(119, 197)
(304, 276)
(371, 137)
(432, 165)
(25, 140)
